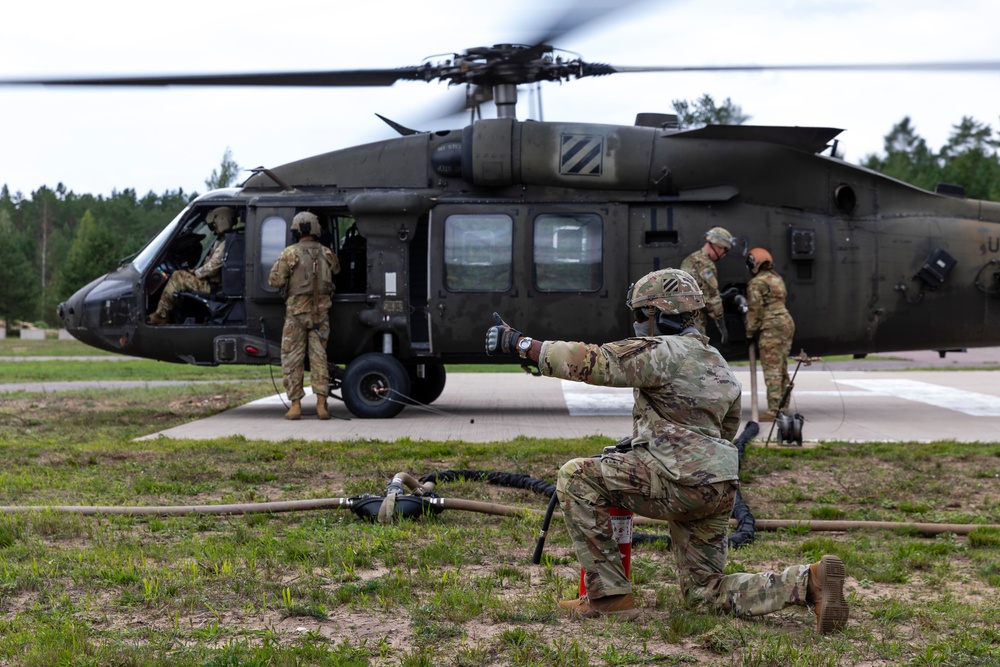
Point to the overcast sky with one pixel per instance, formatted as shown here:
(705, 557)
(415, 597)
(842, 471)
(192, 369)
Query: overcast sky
(99, 140)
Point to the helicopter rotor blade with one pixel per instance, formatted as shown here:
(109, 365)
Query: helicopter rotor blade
(599, 69)
(333, 78)
(577, 17)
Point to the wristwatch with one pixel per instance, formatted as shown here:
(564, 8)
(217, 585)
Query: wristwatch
(523, 346)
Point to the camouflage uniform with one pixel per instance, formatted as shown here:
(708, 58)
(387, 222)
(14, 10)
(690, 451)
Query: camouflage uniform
(683, 468)
(307, 288)
(199, 280)
(702, 268)
(766, 314)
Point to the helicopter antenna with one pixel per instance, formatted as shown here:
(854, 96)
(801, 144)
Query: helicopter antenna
(402, 129)
(274, 177)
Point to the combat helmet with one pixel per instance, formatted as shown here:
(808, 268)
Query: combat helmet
(757, 258)
(671, 291)
(305, 224)
(220, 220)
(721, 237)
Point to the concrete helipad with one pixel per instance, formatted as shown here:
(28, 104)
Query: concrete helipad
(485, 407)
(894, 397)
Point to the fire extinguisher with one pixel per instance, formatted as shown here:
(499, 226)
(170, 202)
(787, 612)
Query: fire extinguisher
(621, 531)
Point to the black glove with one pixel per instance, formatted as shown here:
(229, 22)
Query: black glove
(623, 446)
(723, 331)
(729, 293)
(501, 338)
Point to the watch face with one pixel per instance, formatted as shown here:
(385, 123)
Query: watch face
(524, 344)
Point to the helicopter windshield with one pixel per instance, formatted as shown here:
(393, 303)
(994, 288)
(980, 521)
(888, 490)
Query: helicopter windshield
(148, 254)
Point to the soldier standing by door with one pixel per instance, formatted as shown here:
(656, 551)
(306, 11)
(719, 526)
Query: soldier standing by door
(701, 265)
(304, 274)
(769, 320)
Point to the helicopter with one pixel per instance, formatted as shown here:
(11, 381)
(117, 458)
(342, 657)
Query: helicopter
(549, 223)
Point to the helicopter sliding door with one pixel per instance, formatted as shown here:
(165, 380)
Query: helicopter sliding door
(575, 273)
(548, 270)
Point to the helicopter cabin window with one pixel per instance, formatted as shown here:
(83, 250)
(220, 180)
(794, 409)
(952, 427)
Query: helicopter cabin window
(568, 252)
(478, 250)
(273, 231)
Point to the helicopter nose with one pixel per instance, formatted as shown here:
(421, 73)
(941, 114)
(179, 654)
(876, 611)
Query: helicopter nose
(70, 314)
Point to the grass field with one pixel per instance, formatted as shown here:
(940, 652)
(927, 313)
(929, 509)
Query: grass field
(326, 588)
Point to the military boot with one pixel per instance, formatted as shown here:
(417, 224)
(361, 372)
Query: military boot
(768, 416)
(321, 410)
(295, 411)
(825, 591)
(615, 606)
(157, 319)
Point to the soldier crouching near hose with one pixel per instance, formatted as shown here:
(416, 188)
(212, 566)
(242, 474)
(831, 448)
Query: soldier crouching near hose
(304, 274)
(683, 467)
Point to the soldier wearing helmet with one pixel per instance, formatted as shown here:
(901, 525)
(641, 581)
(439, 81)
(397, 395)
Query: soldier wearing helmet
(701, 265)
(219, 220)
(769, 321)
(680, 465)
(304, 274)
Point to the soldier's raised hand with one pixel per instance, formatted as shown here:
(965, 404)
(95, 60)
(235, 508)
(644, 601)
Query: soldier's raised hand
(501, 337)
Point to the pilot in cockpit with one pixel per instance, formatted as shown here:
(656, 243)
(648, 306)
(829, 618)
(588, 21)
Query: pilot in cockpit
(220, 221)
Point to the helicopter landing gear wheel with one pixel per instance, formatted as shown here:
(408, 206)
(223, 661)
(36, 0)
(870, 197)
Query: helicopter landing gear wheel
(375, 386)
(426, 389)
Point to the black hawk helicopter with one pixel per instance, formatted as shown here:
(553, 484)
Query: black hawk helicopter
(548, 223)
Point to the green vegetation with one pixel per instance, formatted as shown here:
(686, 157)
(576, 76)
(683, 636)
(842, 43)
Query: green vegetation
(15, 347)
(128, 369)
(82, 236)
(326, 588)
(969, 158)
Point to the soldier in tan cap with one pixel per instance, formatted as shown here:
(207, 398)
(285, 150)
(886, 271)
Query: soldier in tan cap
(701, 265)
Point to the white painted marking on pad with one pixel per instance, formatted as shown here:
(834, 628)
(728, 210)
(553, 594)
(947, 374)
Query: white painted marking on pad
(584, 400)
(967, 402)
(589, 401)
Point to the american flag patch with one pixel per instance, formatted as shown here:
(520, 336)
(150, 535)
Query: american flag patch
(581, 154)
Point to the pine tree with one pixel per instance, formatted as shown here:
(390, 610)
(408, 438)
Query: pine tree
(227, 173)
(17, 274)
(92, 254)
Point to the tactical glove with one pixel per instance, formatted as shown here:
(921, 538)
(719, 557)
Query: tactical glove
(729, 293)
(501, 338)
(723, 332)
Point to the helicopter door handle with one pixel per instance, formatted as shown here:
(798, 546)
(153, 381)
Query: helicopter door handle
(440, 308)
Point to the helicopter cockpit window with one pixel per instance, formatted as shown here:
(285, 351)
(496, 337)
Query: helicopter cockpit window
(272, 241)
(478, 250)
(148, 255)
(568, 252)
(188, 244)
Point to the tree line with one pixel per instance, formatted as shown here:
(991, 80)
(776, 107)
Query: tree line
(54, 241)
